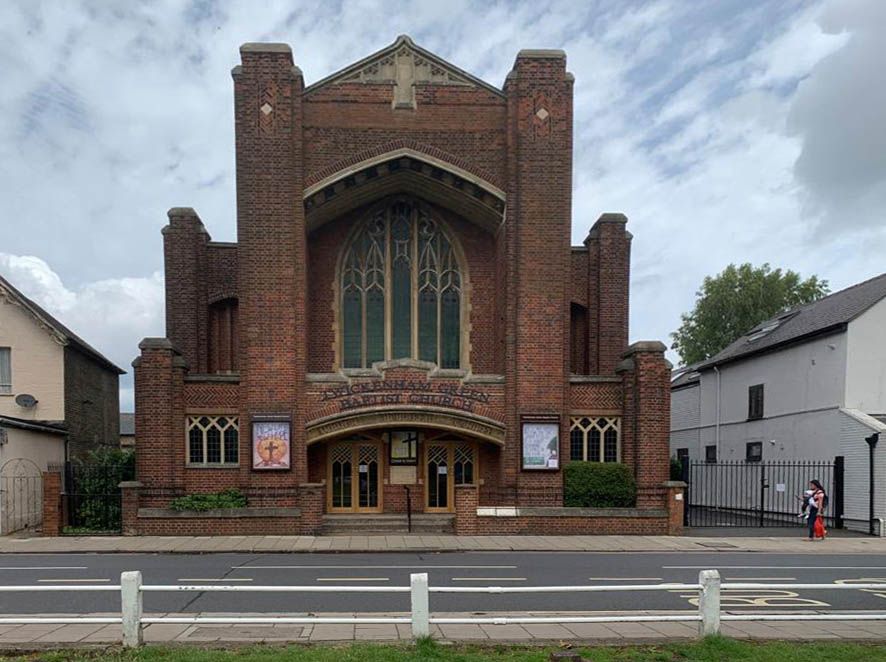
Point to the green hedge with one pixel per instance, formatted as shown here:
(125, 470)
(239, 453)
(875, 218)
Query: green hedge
(599, 485)
(232, 498)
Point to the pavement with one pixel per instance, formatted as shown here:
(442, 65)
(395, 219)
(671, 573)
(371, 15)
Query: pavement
(31, 637)
(432, 543)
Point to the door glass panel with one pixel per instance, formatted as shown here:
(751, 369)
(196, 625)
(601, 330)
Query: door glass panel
(438, 476)
(464, 464)
(340, 459)
(367, 472)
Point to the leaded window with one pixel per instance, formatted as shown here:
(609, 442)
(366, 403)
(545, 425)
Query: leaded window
(401, 290)
(595, 438)
(213, 440)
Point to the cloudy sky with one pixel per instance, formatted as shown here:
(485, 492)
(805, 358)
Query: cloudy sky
(727, 131)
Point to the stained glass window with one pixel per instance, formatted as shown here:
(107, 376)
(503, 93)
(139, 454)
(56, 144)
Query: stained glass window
(401, 290)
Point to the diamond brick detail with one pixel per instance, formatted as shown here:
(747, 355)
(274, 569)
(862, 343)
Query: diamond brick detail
(266, 108)
(542, 114)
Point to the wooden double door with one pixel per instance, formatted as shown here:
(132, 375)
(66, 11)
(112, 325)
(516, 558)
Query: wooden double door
(355, 475)
(447, 464)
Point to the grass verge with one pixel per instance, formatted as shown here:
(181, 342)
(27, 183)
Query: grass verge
(714, 649)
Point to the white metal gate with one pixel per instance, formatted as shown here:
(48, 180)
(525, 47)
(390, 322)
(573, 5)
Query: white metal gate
(21, 496)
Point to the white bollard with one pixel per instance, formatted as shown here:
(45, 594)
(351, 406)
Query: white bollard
(709, 602)
(131, 602)
(421, 626)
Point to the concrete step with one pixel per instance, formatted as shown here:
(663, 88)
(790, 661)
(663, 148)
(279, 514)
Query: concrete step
(361, 524)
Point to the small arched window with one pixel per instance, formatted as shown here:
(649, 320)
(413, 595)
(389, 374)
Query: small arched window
(400, 289)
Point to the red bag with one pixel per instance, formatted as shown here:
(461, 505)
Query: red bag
(819, 528)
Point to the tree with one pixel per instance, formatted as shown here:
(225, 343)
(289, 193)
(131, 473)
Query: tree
(733, 302)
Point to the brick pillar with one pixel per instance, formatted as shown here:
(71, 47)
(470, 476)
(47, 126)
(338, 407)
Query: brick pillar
(646, 378)
(129, 495)
(52, 503)
(311, 499)
(187, 309)
(676, 504)
(466, 500)
(271, 248)
(537, 252)
(609, 265)
(159, 414)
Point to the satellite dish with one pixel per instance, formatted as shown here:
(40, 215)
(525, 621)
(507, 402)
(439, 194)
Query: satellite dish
(25, 400)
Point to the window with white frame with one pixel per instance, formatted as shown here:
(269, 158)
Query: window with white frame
(213, 440)
(5, 371)
(595, 438)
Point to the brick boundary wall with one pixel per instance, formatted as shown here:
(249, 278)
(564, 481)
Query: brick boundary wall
(52, 503)
(306, 519)
(546, 521)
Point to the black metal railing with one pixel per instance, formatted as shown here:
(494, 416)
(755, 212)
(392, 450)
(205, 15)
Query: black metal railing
(92, 499)
(759, 494)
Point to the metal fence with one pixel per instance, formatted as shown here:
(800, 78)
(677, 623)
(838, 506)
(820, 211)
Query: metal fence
(759, 494)
(93, 501)
(709, 614)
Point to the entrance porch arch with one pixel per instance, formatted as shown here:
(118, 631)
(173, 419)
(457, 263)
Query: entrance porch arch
(460, 423)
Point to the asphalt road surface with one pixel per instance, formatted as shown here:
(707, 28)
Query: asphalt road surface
(445, 569)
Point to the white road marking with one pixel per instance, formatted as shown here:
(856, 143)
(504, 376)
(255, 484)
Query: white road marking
(489, 579)
(353, 579)
(46, 567)
(72, 581)
(373, 567)
(773, 567)
(227, 579)
(625, 579)
(758, 579)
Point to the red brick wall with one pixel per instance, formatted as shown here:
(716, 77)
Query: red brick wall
(573, 526)
(52, 503)
(523, 278)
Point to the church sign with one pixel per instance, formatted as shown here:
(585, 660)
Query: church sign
(405, 392)
(271, 445)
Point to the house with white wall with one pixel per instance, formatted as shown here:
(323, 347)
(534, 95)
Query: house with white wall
(59, 399)
(808, 384)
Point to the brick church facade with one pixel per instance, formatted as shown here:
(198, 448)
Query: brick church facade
(402, 316)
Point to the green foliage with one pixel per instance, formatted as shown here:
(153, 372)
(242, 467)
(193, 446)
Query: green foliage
(712, 649)
(734, 301)
(599, 485)
(232, 498)
(676, 471)
(95, 493)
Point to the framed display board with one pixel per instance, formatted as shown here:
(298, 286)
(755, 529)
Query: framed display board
(540, 444)
(271, 445)
(403, 448)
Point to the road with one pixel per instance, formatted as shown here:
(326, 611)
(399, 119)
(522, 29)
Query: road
(447, 569)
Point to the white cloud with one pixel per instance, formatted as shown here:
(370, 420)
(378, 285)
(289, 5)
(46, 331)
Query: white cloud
(722, 129)
(112, 315)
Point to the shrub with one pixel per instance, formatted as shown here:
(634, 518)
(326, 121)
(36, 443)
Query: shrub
(94, 495)
(676, 468)
(599, 485)
(232, 498)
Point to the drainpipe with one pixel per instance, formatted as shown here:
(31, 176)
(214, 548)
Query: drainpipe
(717, 426)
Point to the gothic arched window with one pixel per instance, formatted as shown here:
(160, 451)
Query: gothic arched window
(401, 290)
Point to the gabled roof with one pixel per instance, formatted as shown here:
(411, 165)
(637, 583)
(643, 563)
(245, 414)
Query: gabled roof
(127, 424)
(829, 314)
(62, 333)
(685, 376)
(380, 67)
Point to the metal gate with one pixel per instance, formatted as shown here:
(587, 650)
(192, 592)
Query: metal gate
(21, 496)
(758, 494)
(93, 500)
